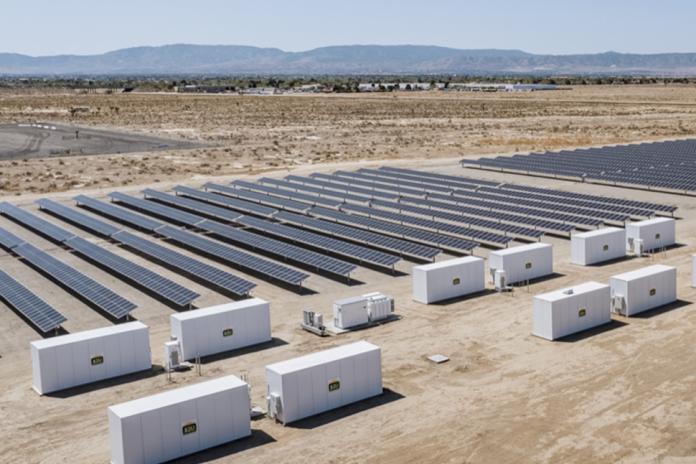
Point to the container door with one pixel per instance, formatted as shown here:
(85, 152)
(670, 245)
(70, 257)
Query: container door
(207, 421)
(334, 384)
(223, 416)
(171, 432)
(189, 426)
(127, 347)
(349, 384)
(305, 396)
(112, 357)
(81, 360)
(320, 393)
(98, 359)
(152, 436)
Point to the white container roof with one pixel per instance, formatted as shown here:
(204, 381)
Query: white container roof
(449, 262)
(642, 272)
(594, 233)
(648, 222)
(195, 313)
(520, 249)
(562, 294)
(88, 334)
(322, 357)
(178, 395)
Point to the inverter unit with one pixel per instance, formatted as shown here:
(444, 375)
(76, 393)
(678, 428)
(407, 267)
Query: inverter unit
(598, 246)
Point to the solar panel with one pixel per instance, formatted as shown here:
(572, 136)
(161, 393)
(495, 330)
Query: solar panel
(193, 205)
(227, 202)
(290, 194)
(35, 223)
(299, 255)
(354, 179)
(356, 192)
(134, 273)
(37, 311)
(315, 191)
(398, 230)
(89, 290)
(276, 202)
(76, 217)
(156, 209)
(435, 226)
(119, 214)
(210, 275)
(403, 247)
(8, 240)
(319, 241)
(234, 257)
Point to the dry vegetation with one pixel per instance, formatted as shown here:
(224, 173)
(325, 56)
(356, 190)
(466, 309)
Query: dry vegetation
(252, 134)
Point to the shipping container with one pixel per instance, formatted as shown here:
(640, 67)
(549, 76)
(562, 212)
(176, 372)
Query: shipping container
(179, 422)
(207, 331)
(523, 263)
(643, 289)
(598, 246)
(571, 310)
(90, 356)
(318, 382)
(448, 279)
(656, 233)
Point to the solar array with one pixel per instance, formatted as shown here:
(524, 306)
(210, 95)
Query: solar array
(279, 248)
(232, 257)
(77, 218)
(322, 242)
(24, 301)
(123, 268)
(157, 209)
(151, 281)
(313, 200)
(222, 200)
(447, 242)
(193, 205)
(402, 247)
(186, 265)
(92, 292)
(119, 214)
(221, 252)
(666, 166)
(268, 200)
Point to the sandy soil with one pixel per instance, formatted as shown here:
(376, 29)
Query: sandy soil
(623, 393)
(253, 134)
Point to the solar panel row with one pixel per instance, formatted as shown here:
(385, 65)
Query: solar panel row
(319, 241)
(356, 192)
(228, 202)
(269, 200)
(122, 215)
(299, 187)
(157, 209)
(35, 223)
(77, 218)
(230, 256)
(24, 301)
(185, 264)
(89, 290)
(403, 247)
(276, 247)
(197, 207)
(406, 232)
(313, 200)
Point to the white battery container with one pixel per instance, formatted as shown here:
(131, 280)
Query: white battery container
(179, 422)
(90, 356)
(656, 233)
(643, 289)
(321, 381)
(571, 310)
(598, 246)
(448, 279)
(230, 326)
(524, 262)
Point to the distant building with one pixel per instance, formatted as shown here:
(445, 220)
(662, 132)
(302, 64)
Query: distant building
(499, 87)
(192, 88)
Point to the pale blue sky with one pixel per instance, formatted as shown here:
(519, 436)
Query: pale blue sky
(41, 27)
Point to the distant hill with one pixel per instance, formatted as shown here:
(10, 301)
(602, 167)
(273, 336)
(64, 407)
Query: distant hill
(346, 59)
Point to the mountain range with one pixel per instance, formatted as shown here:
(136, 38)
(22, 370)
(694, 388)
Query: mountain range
(345, 59)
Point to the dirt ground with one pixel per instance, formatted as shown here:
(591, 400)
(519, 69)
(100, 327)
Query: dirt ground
(252, 134)
(622, 393)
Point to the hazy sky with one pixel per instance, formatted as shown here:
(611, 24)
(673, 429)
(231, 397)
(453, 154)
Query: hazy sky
(41, 27)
